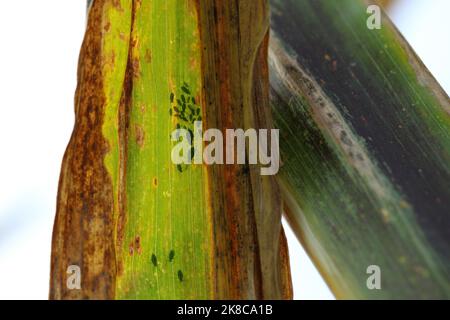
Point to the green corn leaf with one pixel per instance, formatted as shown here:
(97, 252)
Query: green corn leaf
(138, 225)
(365, 142)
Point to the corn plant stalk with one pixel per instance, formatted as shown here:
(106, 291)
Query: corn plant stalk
(139, 226)
(365, 141)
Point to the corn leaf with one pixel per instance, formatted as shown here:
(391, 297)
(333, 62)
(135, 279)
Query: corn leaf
(138, 225)
(365, 142)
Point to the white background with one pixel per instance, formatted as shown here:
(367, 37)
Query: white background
(39, 46)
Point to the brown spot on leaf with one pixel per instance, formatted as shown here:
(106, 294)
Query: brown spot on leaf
(107, 26)
(193, 63)
(134, 42)
(111, 59)
(136, 68)
(148, 56)
(131, 248)
(120, 268)
(140, 136)
(117, 5)
(137, 244)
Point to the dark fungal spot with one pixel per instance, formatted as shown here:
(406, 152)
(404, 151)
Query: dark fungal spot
(345, 139)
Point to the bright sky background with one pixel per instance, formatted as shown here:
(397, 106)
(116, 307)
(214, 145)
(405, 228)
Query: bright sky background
(40, 42)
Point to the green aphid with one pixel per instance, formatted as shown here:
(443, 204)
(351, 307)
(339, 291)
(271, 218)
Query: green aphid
(185, 90)
(171, 255)
(154, 260)
(172, 96)
(180, 275)
(179, 168)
